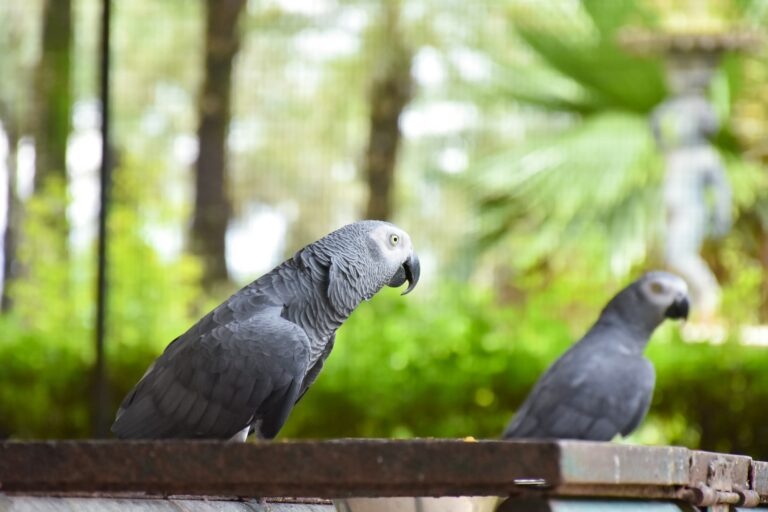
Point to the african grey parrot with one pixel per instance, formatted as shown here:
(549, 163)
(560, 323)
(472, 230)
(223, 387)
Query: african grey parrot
(245, 364)
(602, 386)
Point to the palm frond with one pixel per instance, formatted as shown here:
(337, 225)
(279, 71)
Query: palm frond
(610, 16)
(583, 46)
(618, 79)
(541, 86)
(597, 179)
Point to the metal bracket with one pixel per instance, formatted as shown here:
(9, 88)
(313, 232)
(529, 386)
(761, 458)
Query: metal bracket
(721, 487)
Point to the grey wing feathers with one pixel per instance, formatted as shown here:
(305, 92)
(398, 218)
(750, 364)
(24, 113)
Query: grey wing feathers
(586, 396)
(240, 363)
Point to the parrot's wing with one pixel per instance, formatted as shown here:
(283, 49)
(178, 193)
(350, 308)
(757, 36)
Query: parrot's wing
(212, 382)
(591, 398)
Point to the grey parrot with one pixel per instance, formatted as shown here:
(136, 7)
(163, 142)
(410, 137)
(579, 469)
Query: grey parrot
(244, 365)
(603, 385)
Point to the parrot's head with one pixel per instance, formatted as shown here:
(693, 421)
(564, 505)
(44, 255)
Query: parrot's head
(364, 257)
(666, 293)
(392, 247)
(648, 301)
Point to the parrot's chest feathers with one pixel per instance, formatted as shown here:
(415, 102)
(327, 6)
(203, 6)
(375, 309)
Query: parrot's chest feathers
(316, 349)
(317, 315)
(319, 322)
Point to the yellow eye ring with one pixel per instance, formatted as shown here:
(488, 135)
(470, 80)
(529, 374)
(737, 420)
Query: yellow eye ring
(657, 287)
(394, 240)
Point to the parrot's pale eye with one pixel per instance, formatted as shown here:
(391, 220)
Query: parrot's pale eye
(394, 240)
(657, 288)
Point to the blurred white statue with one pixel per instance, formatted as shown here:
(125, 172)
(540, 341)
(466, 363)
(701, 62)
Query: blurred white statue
(697, 196)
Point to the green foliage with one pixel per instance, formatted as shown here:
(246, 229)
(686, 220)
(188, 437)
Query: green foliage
(44, 258)
(44, 379)
(47, 342)
(459, 364)
(609, 76)
(715, 391)
(579, 42)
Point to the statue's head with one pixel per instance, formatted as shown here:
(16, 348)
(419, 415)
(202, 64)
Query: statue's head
(689, 72)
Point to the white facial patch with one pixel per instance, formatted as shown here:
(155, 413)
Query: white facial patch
(663, 288)
(678, 285)
(394, 243)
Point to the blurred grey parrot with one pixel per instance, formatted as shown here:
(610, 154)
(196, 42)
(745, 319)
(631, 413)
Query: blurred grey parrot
(244, 365)
(603, 385)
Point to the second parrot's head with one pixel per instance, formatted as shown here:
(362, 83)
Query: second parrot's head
(650, 299)
(666, 293)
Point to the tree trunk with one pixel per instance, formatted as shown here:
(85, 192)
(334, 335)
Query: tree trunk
(212, 206)
(52, 123)
(54, 93)
(389, 94)
(13, 207)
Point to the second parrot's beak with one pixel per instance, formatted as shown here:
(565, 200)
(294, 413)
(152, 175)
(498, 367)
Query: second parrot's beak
(409, 271)
(678, 309)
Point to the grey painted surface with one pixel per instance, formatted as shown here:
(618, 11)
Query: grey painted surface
(617, 505)
(489, 504)
(56, 504)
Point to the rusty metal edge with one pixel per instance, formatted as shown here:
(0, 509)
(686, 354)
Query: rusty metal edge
(322, 469)
(698, 477)
(361, 468)
(740, 466)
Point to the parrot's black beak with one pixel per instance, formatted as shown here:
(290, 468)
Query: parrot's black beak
(678, 309)
(412, 269)
(409, 271)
